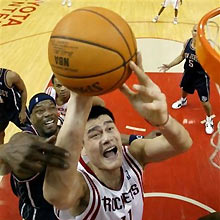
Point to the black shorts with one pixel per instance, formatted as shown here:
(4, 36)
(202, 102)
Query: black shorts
(13, 117)
(199, 82)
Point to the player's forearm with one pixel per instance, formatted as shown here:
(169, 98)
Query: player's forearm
(176, 61)
(176, 135)
(23, 99)
(60, 185)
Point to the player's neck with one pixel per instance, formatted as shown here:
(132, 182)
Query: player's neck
(112, 179)
(193, 43)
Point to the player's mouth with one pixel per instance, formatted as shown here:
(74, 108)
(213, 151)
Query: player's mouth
(64, 94)
(110, 152)
(49, 123)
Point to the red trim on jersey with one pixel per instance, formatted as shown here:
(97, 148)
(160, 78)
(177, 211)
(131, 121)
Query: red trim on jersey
(87, 168)
(132, 160)
(94, 189)
(135, 168)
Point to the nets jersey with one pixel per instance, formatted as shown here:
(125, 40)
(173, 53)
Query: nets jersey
(32, 205)
(191, 61)
(108, 204)
(10, 98)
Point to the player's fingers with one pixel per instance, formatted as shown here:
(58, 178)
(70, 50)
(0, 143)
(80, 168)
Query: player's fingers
(53, 150)
(127, 91)
(43, 146)
(150, 93)
(50, 159)
(143, 78)
(139, 61)
(57, 162)
(28, 166)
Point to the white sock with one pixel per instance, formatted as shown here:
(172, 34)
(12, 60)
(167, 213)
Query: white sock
(208, 118)
(183, 99)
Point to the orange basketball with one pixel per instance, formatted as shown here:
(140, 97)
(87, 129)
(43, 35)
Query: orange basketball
(89, 50)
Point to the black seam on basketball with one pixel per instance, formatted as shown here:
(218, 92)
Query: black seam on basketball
(133, 39)
(111, 24)
(118, 82)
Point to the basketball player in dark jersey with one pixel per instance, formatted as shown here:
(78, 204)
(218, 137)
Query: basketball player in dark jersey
(27, 154)
(28, 186)
(194, 78)
(13, 97)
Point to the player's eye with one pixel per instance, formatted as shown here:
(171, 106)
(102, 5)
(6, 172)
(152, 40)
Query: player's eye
(110, 128)
(94, 135)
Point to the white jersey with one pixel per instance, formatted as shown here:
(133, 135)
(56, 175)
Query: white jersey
(174, 3)
(108, 204)
(60, 108)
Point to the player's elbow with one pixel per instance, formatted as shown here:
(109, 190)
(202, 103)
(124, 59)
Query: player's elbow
(59, 200)
(187, 143)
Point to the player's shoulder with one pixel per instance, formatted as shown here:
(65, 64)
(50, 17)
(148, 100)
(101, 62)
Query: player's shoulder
(188, 41)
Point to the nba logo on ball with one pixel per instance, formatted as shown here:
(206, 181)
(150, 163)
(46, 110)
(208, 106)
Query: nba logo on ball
(89, 50)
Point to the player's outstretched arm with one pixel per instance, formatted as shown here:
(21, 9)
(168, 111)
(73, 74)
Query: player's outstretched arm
(151, 104)
(175, 62)
(65, 188)
(13, 79)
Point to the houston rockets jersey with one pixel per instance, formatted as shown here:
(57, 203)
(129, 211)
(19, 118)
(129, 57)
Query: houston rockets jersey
(60, 108)
(109, 204)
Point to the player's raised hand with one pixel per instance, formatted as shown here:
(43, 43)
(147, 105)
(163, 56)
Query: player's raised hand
(22, 116)
(148, 99)
(164, 68)
(27, 154)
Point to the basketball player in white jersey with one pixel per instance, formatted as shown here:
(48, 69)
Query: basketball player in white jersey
(61, 95)
(107, 184)
(175, 4)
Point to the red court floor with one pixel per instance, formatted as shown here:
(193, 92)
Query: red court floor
(183, 188)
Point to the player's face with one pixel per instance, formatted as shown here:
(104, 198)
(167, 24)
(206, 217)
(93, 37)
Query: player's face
(194, 31)
(102, 143)
(61, 90)
(44, 118)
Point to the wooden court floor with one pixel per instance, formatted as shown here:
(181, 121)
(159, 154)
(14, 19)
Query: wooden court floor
(25, 27)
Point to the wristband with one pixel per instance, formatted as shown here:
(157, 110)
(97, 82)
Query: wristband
(133, 137)
(161, 126)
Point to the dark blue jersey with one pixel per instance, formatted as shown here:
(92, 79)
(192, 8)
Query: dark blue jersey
(32, 204)
(10, 98)
(191, 61)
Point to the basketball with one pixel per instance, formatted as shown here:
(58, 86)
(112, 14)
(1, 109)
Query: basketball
(89, 50)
